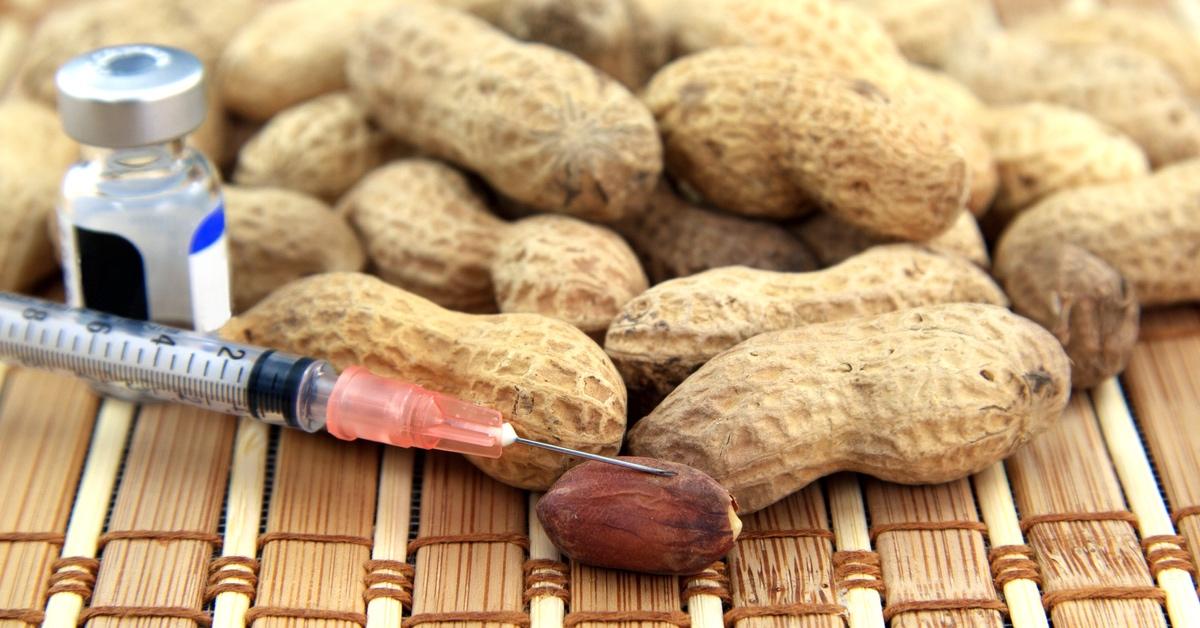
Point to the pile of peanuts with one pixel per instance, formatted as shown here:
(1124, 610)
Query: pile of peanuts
(770, 240)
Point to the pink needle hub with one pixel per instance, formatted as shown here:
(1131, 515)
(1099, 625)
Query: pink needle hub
(364, 405)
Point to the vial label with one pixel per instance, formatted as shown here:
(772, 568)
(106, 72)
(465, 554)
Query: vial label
(114, 281)
(208, 270)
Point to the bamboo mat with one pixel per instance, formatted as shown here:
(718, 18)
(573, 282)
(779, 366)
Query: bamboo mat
(171, 517)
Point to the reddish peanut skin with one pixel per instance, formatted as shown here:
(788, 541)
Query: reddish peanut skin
(609, 516)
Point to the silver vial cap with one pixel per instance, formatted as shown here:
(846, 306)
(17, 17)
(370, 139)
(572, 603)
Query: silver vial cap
(131, 95)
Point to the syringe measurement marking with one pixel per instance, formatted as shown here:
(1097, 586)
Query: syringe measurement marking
(227, 393)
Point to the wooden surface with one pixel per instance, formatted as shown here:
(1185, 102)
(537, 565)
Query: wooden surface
(45, 423)
(188, 471)
(932, 565)
(323, 487)
(1066, 472)
(174, 481)
(466, 576)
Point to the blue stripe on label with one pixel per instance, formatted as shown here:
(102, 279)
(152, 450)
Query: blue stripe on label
(209, 231)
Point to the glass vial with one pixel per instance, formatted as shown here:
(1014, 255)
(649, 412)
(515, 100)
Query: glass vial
(141, 217)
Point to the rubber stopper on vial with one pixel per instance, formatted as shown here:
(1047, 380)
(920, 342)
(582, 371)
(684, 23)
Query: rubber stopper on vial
(364, 405)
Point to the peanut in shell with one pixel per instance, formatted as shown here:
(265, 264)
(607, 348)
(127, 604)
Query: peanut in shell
(541, 126)
(669, 331)
(1084, 302)
(923, 395)
(1041, 149)
(428, 231)
(794, 139)
(278, 235)
(1129, 90)
(1148, 229)
(548, 379)
(675, 238)
(833, 241)
(320, 147)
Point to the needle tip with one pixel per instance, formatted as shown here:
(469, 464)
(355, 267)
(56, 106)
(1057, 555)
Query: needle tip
(590, 456)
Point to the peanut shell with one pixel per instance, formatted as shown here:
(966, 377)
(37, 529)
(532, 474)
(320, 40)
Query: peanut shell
(1084, 302)
(320, 147)
(13, 38)
(946, 102)
(77, 28)
(923, 395)
(926, 31)
(550, 381)
(426, 230)
(1148, 229)
(1127, 89)
(1041, 149)
(539, 125)
(568, 269)
(839, 36)
(672, 329)
(288, 53)
(833, 241)
(34, 155)
(675, 238)
(616, 36)
(845, 41)
(794, 138)
(1153, 33)
(278, 235)
(608, 516)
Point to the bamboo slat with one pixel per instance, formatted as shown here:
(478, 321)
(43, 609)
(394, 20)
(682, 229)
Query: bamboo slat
(995, 499)
(851, 534)
(943, 567)
(243, 511)
(545, 610)
(792, 573)
(318, 533)
(608, 595)
(1133, 468)
(95, 490)
(1162, 385)
(1065, 472)
(1164, 388)
(45, 425)
(457, 578)
(174, 481)
(393, 518)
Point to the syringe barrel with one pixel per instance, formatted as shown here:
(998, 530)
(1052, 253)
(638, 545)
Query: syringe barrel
(164, 363)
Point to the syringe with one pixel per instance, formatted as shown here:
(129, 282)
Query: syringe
(168, 364)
